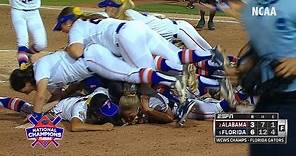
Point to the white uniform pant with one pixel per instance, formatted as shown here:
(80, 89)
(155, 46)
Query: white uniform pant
(205, 109)
(101, 61)
(29, 21)
(138, 43)
(190, 37)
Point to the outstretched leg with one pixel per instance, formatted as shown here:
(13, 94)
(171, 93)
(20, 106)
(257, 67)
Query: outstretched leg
(16, 104)
(190, 37)
(104, 63)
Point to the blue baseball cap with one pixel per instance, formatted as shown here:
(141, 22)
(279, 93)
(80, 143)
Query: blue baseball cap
(92, 83)
(108, 109)
(109, 3)
(62, 20)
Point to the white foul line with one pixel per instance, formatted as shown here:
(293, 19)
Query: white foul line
(7, 50)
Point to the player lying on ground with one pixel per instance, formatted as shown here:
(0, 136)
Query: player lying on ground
(94, 112)
(150, 106)
(158, 106)
(58, 69)
(206, 104)
(168, 29)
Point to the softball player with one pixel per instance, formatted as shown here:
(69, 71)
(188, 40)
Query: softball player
(26, 18)
(157, 108)
(94, 108)
(80, 111)
(167, 28)
(58, 69)
(123, 38)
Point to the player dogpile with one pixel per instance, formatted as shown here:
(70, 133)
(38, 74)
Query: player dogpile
(121, 67)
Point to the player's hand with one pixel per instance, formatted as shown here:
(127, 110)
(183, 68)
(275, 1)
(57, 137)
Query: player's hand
(286, 68)
(145, 103)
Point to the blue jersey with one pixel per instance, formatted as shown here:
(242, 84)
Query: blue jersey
(272, 34)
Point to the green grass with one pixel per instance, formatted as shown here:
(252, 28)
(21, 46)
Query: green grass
(161, 8)
(169, 8)
(61, 2)
(68, 2)
(166, 8)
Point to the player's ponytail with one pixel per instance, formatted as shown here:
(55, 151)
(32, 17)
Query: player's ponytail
(68, 11)
(125, 5)
(19, 77)
(129, 100)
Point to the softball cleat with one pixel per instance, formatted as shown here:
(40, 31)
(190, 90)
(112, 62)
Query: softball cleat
(183, 111)
(217, 56)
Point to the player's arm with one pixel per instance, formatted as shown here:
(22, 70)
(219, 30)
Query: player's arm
(234, 74)
(59, 94)
(165, 117)
(39, 98)
(71, 89)
(286, 68)
(76, 41)
(247, 61)
(75, 50)
(55, 95)
(78, 126)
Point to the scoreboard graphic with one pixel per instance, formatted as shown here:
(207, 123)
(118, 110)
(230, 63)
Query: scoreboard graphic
(254, 128)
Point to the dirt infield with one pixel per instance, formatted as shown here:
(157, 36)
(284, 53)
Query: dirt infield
(194, 139)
